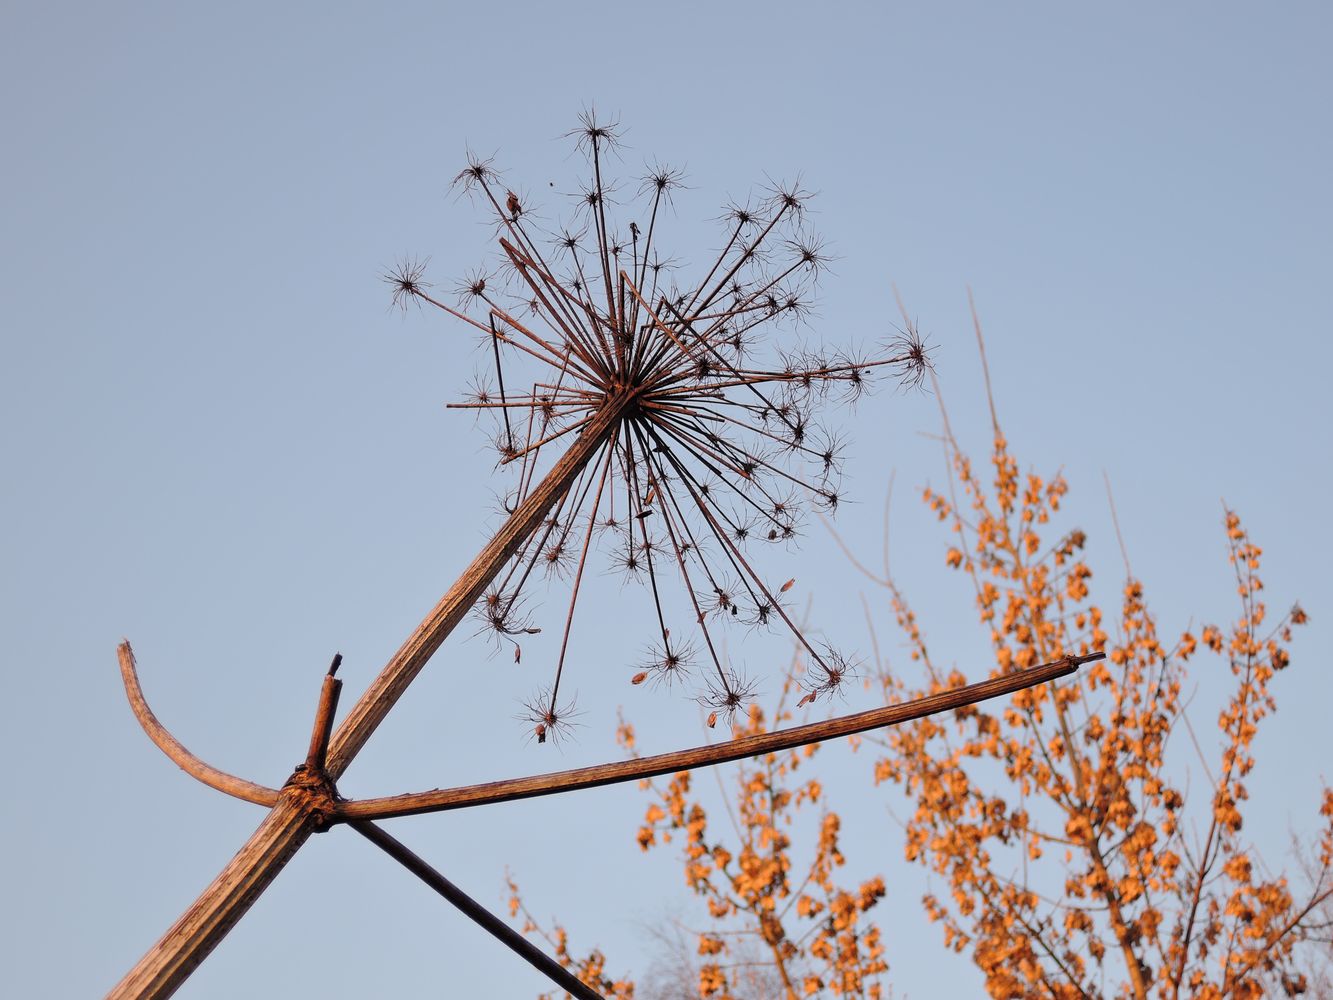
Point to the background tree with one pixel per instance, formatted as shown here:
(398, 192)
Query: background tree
(1090, 841)
(1081, 859)
(776, 919)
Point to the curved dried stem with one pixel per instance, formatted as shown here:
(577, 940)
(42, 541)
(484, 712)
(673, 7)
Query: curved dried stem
(222, 781)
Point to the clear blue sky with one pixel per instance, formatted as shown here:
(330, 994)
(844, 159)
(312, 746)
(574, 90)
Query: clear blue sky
(220, 443)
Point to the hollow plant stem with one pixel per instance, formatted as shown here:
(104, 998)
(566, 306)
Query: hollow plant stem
(639, 768)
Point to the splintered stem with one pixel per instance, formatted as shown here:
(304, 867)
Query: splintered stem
(316, 756)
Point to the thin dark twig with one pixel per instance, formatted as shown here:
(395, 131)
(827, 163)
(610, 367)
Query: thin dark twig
(477, 913)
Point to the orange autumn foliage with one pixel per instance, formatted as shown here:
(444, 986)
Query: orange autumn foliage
(590, 969)
(808, 925)
(1054, 821)
(765, 899)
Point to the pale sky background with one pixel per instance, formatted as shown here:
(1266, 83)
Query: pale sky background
(219, 442)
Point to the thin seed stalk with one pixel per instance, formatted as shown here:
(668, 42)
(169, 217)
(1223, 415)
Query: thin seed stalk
(290, 823)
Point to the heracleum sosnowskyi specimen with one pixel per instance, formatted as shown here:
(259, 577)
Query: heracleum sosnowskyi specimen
(684, 435)
(719, 449)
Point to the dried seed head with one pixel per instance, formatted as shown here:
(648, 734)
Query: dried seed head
(501, 616)
(911, 356)
(727, 696)
(667, 663)
(478, 173)
(596, 134)
(472, 288)
(828, 673)
(661, 182)
(714, 446)
(548, 721)
(405, 278)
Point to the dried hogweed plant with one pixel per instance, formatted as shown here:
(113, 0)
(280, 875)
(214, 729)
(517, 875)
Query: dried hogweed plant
(642, 416)
(718, 447)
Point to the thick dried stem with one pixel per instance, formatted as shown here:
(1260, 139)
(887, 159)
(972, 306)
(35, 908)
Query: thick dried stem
(682, 760)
